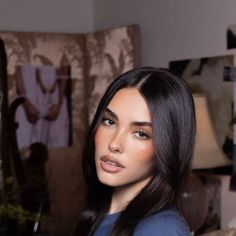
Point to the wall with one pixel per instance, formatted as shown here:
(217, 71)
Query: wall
(171, 29)
(46, 16)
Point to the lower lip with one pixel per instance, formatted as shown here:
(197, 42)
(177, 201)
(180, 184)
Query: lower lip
(110, 168)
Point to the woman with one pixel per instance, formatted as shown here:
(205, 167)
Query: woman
(137, 156)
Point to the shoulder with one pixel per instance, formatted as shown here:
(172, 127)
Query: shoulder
(167, 222)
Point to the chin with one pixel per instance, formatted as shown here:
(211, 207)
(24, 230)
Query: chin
(108, 181)
(105, 180)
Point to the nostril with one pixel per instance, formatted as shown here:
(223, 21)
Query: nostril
(115, 146)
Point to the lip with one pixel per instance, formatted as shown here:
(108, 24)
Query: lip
(111, 164)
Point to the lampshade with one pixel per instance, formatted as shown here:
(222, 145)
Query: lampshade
(207, 152)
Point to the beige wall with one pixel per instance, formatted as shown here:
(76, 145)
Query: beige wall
(46, 15)
(171, 29)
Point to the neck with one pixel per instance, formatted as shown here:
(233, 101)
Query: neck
(123, 195)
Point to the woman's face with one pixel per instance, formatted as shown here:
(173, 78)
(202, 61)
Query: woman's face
(123, 141)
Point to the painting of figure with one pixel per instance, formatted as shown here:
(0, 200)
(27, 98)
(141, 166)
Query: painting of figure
(44, 116)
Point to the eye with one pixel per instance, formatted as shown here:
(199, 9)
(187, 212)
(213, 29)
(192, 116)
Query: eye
(141, 134)
(107, 121)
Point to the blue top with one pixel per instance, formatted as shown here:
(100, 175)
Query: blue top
(165, 223)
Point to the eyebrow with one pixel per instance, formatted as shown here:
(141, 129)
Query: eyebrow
(133, 123)
(141, 123)
(111, 113)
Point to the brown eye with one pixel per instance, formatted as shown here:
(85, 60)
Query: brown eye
(141, 134)
(108, 122)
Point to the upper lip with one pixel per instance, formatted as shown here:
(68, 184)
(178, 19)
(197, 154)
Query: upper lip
(112, 159)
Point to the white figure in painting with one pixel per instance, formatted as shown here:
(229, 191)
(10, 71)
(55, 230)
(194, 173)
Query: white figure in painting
(43, 117)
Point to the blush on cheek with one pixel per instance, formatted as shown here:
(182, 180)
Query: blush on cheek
(97, 138)
(96, 135)
(146, 152)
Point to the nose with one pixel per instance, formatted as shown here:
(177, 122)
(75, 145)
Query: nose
(116, 144)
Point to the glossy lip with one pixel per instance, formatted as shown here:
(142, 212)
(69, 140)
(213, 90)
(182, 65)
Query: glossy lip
(108, 167)
(112, 159)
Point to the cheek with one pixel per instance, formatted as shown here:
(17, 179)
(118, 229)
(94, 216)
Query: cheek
(143, 161)
(97, 136)
(143, 151)
(100, 139)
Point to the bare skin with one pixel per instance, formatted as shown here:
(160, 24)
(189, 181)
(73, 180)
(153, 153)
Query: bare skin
(124, 147)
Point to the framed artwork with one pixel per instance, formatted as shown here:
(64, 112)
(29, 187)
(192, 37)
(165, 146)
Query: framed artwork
(48, 70)
(62, 77)
(213, 77)
(207, 76)
(109, 53)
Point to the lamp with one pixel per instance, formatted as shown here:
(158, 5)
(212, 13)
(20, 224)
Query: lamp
(207, 153)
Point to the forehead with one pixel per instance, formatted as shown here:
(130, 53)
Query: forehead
(129, 103)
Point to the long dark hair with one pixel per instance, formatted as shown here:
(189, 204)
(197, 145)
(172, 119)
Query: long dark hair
(173, 122)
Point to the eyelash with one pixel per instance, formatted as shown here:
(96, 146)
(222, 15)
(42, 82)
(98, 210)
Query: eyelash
(106, 119)
(140, 134)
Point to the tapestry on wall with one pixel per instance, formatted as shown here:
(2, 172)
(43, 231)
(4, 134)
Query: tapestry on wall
(62, 77)
(44, 68)
(108, 54)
